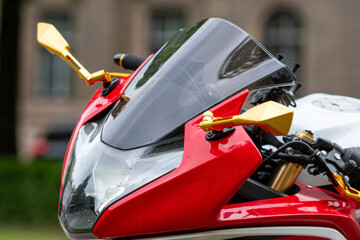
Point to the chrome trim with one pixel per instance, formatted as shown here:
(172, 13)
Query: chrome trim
(323, 232)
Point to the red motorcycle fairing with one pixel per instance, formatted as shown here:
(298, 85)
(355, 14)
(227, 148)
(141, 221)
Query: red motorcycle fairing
(179, 201)
(220, 80)
(311, 206)
(96, 105)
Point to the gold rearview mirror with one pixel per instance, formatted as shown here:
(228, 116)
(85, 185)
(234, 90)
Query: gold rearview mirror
(50, 38)
(271, 116)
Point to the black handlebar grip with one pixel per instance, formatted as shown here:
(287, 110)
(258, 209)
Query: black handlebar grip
(128, 61)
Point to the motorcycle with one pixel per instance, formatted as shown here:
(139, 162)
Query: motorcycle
(168, 152)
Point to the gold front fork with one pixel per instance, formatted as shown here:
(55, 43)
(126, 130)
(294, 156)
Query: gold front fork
(285, 176)
(287, 173)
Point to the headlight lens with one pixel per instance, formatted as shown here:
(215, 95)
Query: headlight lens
(98, 175)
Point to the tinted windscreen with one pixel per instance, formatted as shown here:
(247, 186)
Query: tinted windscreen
(198, 68)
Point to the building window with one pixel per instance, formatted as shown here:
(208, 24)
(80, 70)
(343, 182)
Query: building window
(282, 32)
(54, 75)
(164, 24)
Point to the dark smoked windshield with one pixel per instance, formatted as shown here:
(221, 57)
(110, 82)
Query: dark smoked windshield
(198, 68)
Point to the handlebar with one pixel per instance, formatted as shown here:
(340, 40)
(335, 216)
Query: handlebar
(128, 61)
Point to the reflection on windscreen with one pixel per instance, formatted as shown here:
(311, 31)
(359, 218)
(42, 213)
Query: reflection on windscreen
(166, 52)
(246, 56)
(197, 69)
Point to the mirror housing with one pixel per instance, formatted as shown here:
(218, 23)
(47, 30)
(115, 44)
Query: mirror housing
(50, 38)
(273, 117)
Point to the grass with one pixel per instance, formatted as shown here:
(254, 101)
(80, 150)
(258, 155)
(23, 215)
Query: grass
(27, 232)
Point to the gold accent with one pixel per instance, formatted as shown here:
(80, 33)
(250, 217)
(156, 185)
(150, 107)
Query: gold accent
(344, 190)
(306, 136)
(126, 99)
(50, 38)
(207, 117)
(119, 75)
(271, 116)
(287, 173)
(285, 176)
(121, 59)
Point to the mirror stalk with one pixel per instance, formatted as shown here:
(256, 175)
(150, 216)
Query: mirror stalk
(50, 38)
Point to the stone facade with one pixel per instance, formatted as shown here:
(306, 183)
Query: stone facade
(328, 40)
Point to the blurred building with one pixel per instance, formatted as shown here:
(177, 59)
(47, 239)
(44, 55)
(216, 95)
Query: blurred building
(322, 35)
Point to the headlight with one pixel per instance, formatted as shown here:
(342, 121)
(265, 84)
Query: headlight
(99, 175)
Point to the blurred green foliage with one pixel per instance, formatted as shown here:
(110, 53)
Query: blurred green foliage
(29, 192)
(31, 232)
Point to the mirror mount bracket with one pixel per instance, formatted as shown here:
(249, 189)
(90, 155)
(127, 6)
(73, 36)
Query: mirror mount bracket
(214, 135)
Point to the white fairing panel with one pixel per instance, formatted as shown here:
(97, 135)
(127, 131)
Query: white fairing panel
(332, 117)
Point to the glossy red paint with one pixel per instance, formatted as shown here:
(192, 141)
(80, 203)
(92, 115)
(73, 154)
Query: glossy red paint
(96, 105)
(309, 207)
(191, 196)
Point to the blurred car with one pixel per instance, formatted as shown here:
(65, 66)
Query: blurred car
(54, 143)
